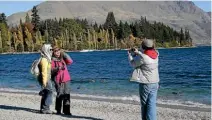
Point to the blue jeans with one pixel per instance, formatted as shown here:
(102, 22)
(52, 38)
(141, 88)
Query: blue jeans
(46, 99)
(148, 98)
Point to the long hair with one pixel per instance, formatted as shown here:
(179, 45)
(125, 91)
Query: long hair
(61, 55)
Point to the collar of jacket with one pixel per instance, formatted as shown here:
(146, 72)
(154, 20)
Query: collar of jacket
(56, 59)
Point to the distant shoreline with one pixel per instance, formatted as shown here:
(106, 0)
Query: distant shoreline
(91, 50)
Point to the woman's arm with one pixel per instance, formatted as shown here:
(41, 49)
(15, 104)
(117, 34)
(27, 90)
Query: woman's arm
(54, 68)
(44, 71)
(67, 59)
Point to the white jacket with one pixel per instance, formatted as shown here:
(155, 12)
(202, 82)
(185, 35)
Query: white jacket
(145, 68)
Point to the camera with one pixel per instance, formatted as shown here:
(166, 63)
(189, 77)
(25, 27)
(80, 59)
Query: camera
(132, 52)
(132, 49)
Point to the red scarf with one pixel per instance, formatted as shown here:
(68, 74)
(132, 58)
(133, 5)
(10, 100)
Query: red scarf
(151, 53)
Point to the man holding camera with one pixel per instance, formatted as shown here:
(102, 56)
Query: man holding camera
(145, 64)
(61, 78)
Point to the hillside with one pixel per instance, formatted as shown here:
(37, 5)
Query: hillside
(176, 14)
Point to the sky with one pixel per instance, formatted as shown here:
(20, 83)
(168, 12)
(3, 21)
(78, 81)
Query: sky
(10, 7)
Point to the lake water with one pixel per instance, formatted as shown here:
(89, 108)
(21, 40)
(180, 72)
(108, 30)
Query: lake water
(185, 74)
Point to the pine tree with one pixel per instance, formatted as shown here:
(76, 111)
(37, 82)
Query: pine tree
(127, 30)
(181, 36)
(21, 23)
(137, 31)
(96, 27)
(110, 21)
(35, 18)
(3, 18)
(120, 33)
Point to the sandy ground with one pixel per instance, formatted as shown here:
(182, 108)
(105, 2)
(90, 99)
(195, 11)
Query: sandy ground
(21, 106)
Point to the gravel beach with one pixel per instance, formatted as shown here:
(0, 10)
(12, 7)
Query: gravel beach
(25, 106)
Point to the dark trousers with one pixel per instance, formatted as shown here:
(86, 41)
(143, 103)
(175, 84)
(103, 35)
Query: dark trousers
(63, 97)
(46, 97)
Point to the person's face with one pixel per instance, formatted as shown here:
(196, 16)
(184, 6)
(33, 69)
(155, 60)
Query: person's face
(57, 53)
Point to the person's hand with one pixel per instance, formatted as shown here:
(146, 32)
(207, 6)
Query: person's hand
(136, 50)
(43, 86)
(128, 51)
(61, 68)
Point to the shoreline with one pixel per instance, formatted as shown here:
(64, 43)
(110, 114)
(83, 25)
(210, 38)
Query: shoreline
(26, 106)
(90, 50)
(163, 104)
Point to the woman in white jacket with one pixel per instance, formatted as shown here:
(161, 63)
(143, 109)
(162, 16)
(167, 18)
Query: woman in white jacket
(145, 72)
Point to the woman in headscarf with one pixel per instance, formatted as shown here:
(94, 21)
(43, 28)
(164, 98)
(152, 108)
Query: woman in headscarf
(45, 79)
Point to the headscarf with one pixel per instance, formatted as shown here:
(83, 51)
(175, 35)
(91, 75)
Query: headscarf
(46, 51)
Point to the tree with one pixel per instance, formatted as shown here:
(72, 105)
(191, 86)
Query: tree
(120, 33)
(35, 18)
(96, 27)
(3, 18)
(66, 37)
(166, 35)
(20, 39)
(29, 26)
(188, 38)
(187, 35)
(127, 30)
(110, 21)
(106, 37)
(4, 36)
(112, 37)
(136, 30)
(27, 18)
(181, 36)
(15, 40)
(21, 23)
(28, 40)
(9, 40)
(75, 41)
(1, 47)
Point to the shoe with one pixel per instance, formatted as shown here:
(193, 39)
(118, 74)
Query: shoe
(68, 114)
(46, 112)
(58, 112)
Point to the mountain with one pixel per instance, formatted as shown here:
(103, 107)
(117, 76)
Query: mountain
(176, 14)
